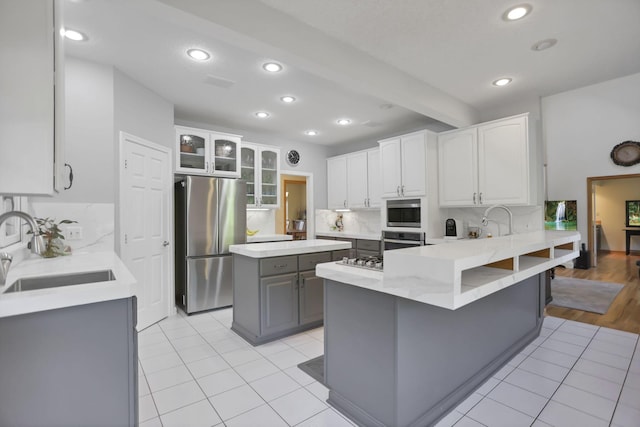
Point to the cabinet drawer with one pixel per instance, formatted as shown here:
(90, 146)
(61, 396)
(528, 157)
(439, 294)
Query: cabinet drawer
(278, 265)
(369, 245)
(363, 253)
(309, 261)
(338, 255)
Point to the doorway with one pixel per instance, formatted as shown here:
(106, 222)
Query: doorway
(605, 210)
(295, 215)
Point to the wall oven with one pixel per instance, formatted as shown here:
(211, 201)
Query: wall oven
(400, 239)
(403, 213)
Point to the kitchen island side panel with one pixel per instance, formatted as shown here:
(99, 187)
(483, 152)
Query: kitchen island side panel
(360, 351)
(246, 294)
(391, 361)
(443, 355)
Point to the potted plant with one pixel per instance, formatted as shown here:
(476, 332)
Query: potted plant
(53, 237)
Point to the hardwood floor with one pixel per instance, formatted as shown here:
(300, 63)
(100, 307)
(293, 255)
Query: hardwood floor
(624, 312)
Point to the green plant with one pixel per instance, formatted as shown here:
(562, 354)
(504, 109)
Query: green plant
(52, 236)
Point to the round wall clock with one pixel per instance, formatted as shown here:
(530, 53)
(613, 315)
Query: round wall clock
(293, 157)
(626, 153)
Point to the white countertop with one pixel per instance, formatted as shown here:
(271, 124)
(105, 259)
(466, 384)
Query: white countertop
(348, 235)
(23, 302)
(258, 238)
(455, 274)
(295, 247)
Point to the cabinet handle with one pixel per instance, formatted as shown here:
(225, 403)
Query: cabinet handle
(302, 283)
(402, 190)
(474, 198)
(480, 198)
(280, 266)
(398, 190)
(206, 166)
(344, 204)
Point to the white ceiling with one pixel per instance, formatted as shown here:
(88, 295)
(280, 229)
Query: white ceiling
(433, 60)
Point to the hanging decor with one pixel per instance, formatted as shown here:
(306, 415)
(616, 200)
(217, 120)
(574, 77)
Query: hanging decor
(626, 153)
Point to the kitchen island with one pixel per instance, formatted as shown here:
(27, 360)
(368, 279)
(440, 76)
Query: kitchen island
(275, 288)
(404, 347)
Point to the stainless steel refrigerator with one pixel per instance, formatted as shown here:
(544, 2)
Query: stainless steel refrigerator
(210, 215)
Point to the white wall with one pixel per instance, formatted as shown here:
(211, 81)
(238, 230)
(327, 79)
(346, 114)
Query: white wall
(580, 128)
(312, 156)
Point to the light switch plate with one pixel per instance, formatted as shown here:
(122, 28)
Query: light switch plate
(73, 232)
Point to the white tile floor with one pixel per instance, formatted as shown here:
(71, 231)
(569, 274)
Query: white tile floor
(194, 371)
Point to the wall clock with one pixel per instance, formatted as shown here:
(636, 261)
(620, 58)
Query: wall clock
(293, 157)
(626, 153)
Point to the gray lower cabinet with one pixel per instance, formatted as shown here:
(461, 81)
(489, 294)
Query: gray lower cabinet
(279, 307)
(73, 366)
(276, 297)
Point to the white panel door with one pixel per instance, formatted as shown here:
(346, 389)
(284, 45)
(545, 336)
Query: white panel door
(337, 182)
(458, 168)
(145, 215)
(390, 174)
(414, 165)
(357, 194)
(503, 162)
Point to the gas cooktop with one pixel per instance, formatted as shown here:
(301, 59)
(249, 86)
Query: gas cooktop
(368, 262)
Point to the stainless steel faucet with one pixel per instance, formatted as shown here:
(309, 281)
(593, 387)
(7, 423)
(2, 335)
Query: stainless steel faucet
(37, 243)
(485, 219)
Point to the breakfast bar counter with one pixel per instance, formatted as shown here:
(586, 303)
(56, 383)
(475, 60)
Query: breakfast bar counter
(405, 346)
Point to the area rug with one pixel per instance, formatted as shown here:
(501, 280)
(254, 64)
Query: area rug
(315, 368)
(586, 295)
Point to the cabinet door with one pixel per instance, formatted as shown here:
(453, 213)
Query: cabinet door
(458, 168)
(192, 150)
(357, 180)
(269, 178)
(279, 303)
(337, 182)
(225, 155)
(27, 97)
(413, 165)
(311, 297)
(248, 172)
(503, 165)
(374, 185)
(390, 174)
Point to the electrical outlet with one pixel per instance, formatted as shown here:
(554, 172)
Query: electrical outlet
(74, 232)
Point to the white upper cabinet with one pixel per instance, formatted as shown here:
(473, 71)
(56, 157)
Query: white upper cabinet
(260, 168)
(32, 97)
(486, 164)
(353, 180)
(204, 152)
(403, 165)
(337, 182)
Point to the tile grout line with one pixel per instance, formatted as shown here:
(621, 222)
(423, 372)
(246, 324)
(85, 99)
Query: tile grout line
(636, 352)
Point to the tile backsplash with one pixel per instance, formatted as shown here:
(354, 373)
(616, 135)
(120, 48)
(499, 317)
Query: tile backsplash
(264, 221)
(525, 219)
(356, 222)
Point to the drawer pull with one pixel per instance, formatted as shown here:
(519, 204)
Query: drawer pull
(280, 266)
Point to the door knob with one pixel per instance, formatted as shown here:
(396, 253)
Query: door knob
(165, 243)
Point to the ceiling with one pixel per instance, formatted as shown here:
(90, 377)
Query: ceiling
(390, 66)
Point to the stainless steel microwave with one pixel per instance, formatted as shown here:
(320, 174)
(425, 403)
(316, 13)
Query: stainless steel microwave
(403, 213)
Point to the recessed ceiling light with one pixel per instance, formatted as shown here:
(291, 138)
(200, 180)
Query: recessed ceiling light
(311, 132)
(272, 67)
(288, 99)
(343, 122)
(74, 35)
(262, 114)
(517, 12)
(198, 54)
(544, 44)
(502, 81)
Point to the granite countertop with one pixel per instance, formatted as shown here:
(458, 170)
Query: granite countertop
(295, 247)
(15, 303)
(259, 238)
(347, 235)
(457, 273)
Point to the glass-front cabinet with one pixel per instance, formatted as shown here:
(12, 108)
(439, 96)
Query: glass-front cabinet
(260, 167)
(205, 152)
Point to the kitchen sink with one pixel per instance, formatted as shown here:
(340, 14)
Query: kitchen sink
(54, 281)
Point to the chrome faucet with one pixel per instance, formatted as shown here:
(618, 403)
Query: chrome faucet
(37, 243)
(485, 220)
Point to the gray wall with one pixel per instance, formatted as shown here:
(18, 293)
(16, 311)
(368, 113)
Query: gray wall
(580, 129)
